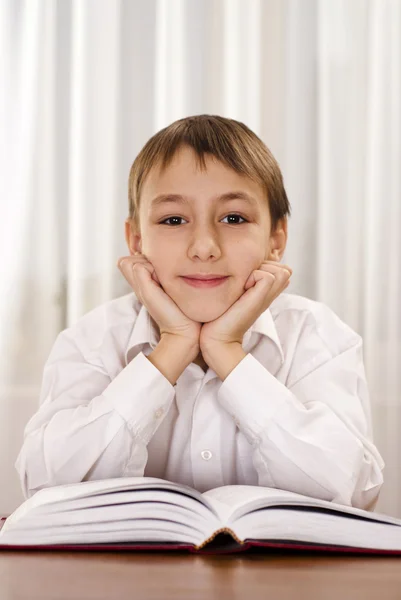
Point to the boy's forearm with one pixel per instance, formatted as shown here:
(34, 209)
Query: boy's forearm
(171, 357)
(223, 358)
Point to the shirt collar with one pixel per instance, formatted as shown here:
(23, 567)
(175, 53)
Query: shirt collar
(145, 331)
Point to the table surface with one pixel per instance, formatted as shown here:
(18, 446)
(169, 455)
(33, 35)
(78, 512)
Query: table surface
(163, 575)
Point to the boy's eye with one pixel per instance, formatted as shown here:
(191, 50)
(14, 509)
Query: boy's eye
(230, 215)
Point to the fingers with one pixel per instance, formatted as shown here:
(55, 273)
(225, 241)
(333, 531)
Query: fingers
(126, 265)
(130, 260)
(281, 275)
(275, 267)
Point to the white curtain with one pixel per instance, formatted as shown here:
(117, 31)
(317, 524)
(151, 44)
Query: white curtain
(84, 84)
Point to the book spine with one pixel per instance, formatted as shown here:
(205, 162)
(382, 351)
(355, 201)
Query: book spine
(226, 530)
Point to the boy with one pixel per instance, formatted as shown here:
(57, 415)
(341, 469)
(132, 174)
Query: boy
(207, 384)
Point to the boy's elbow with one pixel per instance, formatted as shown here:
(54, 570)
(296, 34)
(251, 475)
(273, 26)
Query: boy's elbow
(367, 498)
(27, 491)
(31, 465)
(368, 485)
(360, 490)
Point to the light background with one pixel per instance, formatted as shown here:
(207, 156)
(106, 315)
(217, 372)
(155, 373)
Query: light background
(85, 83)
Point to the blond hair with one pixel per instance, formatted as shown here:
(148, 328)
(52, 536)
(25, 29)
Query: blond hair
(229, 141)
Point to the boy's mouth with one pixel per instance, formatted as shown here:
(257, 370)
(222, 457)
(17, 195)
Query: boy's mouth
(195, 282)
(204, 276)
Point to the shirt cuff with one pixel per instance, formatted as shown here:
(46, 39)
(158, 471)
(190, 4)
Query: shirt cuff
(252, 396)
(142, 396)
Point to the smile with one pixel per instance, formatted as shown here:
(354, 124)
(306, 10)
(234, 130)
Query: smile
(204, 283)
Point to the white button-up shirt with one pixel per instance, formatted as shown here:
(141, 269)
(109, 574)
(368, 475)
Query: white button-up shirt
(293, 414)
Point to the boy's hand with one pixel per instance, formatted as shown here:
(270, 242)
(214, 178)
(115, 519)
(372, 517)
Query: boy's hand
(262, 287)
(141, 275)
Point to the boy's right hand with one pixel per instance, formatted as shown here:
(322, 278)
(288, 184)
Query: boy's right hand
(141, 275)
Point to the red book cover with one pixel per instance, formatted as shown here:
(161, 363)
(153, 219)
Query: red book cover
(222, 543)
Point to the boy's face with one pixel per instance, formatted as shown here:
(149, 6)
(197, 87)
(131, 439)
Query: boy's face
(202, 239)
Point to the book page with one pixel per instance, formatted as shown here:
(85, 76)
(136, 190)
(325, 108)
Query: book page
(234, 501)
(76, 493)
(314, 526)
(131, 504)
(114, 510)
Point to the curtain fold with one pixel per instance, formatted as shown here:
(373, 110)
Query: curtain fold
(87, 84)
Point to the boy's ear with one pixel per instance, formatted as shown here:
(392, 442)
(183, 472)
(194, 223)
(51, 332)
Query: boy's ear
(278, 240)
(132, 238)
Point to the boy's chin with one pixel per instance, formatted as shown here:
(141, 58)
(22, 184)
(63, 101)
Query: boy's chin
(205, 310)
(203, 316)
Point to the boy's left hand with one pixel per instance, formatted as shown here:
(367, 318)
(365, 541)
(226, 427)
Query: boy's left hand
(262, 287)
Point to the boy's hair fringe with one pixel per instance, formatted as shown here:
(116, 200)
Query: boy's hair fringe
(229, 141)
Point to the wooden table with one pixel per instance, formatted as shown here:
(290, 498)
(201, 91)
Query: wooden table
(156, 575)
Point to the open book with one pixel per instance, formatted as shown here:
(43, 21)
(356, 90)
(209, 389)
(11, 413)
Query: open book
(138, 513)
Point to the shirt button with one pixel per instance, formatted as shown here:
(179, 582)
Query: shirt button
(206, 454)
(159, 413)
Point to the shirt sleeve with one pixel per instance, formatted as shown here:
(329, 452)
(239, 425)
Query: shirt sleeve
(314, 436)
(89, 426)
